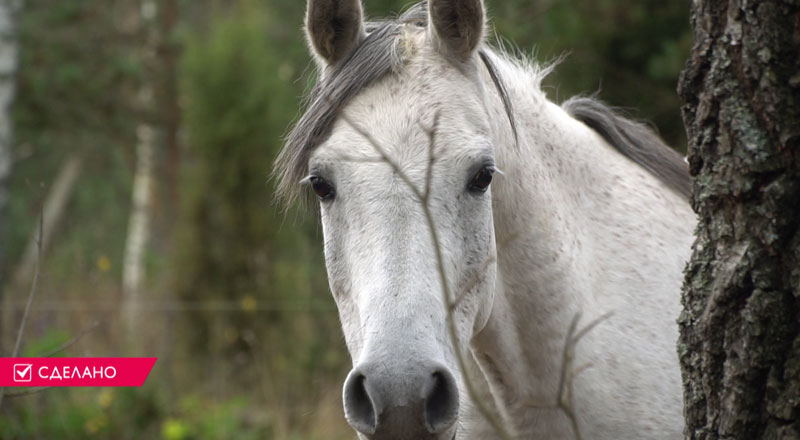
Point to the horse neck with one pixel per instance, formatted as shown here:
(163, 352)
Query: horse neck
(543, 225)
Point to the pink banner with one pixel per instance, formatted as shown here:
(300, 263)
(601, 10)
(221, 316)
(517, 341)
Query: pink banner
(75, 372)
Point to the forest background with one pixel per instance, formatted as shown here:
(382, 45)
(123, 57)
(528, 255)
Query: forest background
(233, 297)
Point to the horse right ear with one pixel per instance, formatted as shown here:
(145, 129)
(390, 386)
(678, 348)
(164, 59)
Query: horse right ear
(334, 28)
(457, 26)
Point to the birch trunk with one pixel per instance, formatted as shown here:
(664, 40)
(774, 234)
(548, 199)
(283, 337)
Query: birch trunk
(740, 330)
(133, 275)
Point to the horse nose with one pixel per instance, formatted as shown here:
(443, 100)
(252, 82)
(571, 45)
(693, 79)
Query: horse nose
(377, 401)
(441, 401)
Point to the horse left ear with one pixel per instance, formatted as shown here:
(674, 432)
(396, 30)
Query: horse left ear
(457, 26)
(334, 28)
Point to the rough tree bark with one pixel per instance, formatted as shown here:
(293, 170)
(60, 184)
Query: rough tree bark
(740, 329)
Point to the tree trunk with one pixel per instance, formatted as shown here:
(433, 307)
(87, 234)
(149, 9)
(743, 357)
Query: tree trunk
(52, 211)
(740, 329)
(168, 102)
(133, 275)
(53, 207)
(8, 70)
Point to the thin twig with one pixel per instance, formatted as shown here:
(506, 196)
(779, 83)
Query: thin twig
(31, 295)
(72, 341)
(32, 292)
(472, 281)
(592, 325)
(431, 132)
(563, 400)
(357, 159)
(479, 274)
(424, 198)
(384, 155)
(473, 393)
(566, 358)
(566, 382)
(26, 392)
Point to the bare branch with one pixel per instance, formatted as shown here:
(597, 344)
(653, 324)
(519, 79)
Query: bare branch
(473, 393)
(423, 197)
(566, 358)
(26, 392)
(581, 369)
(384, 155)
(478, 276)
(472, 281)
(31, 295)
(431, 132)
(592, 325)
(72, 341)
(32, 292)
(563, 400)
(357, 159)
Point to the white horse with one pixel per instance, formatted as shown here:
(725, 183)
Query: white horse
(410, 122)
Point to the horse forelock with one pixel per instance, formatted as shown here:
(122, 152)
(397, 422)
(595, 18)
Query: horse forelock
(387, 46)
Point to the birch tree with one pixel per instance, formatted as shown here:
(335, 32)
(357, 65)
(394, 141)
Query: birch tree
(139, 223)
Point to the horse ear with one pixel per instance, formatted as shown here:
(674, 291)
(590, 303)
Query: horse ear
(334, 28)
(457, 26)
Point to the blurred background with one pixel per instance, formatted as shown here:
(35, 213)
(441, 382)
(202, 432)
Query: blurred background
(147, 129)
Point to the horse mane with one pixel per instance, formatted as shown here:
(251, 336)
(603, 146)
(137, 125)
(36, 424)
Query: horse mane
(381, 54)
(377, 56)
(634, 140)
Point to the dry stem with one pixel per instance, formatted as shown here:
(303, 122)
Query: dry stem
(72, 341)
(26, 392)
(423, 196)
(31, 295)
(563, 401)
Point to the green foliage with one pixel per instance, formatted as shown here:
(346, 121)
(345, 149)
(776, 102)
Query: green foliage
(68, 414)
(231, 243)
(132, 413)
(235, 106)
(73, 86)
(629, 52)
(208, 420)
(271, 366)
(50, 341)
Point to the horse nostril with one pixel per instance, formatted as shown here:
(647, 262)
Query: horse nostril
(358, 408)
(441, 402)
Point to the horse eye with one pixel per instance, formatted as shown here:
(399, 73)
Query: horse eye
(322, 188)
(482, 179)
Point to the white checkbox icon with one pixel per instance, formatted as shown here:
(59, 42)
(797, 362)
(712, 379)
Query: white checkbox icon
(22, 372)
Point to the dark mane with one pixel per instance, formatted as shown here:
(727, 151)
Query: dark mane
(380, 54)
(376, 57)
(634, 140)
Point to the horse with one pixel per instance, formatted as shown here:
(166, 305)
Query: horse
(502, 266)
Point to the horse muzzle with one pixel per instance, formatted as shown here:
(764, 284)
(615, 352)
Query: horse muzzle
(417, 401)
